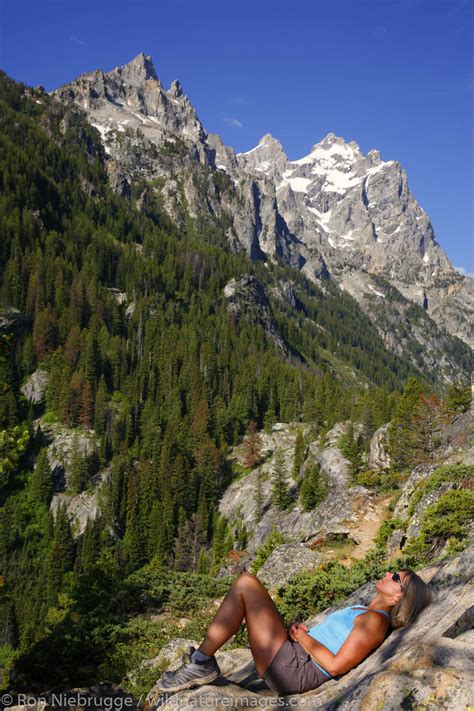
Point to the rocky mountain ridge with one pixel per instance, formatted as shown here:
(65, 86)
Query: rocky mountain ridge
(333, 212)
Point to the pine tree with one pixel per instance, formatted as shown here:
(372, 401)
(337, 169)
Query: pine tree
(298, 456)
(269, 420)
(183, 543)
(64, 540)
(258, 496)
(280, 494)
(204, 563)
(78, 469)
(154, 529)
(202, 520)
(134, 539)
(426, 428)
(221, 544)
(87, 406)
(312, 492)
(100, 416)
(352, 449)
(90, 546)
(252, 446)
(41, 479)
(459, 398)
(399, 444)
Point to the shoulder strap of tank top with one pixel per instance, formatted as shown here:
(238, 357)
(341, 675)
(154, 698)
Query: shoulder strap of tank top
(364, 607)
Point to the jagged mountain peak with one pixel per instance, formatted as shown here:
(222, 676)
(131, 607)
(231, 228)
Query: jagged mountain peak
(267, 141)
(139, 70)
(132, 97)
(266, 157)
(176, 90)
(332, 147)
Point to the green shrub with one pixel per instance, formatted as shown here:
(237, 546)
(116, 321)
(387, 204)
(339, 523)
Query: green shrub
(443, 522)
(454, 473)
(306, 594)
(385, 530)
(263, 553)
(369, 478)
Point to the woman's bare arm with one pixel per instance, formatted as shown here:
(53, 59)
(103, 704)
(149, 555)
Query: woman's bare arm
(366, 635)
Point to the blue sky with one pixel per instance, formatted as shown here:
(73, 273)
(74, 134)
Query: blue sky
(395, 75)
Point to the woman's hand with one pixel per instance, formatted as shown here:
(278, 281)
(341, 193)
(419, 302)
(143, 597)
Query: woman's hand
(294, 629)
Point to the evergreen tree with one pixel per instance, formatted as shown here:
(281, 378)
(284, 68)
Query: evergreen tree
(78, 469)
(252, 446)
(154, 532)
(184, 541)
(222, 542)
(41, 479)
(258, 496)
(298, 456)
(426, 428)
(280, 494)
(100, 415)
(312, 491)
(459, 398)
(351, 444)
(90, 549)
(63, 540)
(204, 563)
(269, 420)
(134, 539)
(399, 439)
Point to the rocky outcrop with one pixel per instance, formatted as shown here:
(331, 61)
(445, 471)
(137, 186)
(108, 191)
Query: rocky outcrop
(428, 664)
(13, 322)
(334, 519)
(457, 448)
(378, 456)
(246, 297)
(285, 561)
(35, 386)
(83, 507)
(62, 445)
(61, 442)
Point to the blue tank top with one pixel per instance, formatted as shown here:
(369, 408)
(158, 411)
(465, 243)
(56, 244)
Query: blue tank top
(335, 629)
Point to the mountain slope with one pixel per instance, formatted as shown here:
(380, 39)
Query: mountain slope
(333, 211)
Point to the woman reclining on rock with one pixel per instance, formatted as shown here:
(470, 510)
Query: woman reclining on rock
(297, 659)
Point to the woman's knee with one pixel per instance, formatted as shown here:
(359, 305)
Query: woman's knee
(247, 579)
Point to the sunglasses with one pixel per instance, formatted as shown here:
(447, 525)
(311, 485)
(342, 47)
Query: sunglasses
(397, 579)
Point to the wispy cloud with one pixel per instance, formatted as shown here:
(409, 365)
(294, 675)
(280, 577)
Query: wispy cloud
(464, 272)
(233, 122)
(78, 41)
(239, 101)
(379, 31)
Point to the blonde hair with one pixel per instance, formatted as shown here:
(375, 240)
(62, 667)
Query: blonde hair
(416, 596)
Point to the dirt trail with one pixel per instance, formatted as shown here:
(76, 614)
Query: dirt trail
(367, 528)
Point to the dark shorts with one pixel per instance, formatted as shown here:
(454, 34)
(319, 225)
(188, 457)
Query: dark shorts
(292, 671)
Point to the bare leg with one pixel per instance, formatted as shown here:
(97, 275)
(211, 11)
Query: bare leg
(248, 599)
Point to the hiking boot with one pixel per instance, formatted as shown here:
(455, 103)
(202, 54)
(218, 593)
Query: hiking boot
(189, 674)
